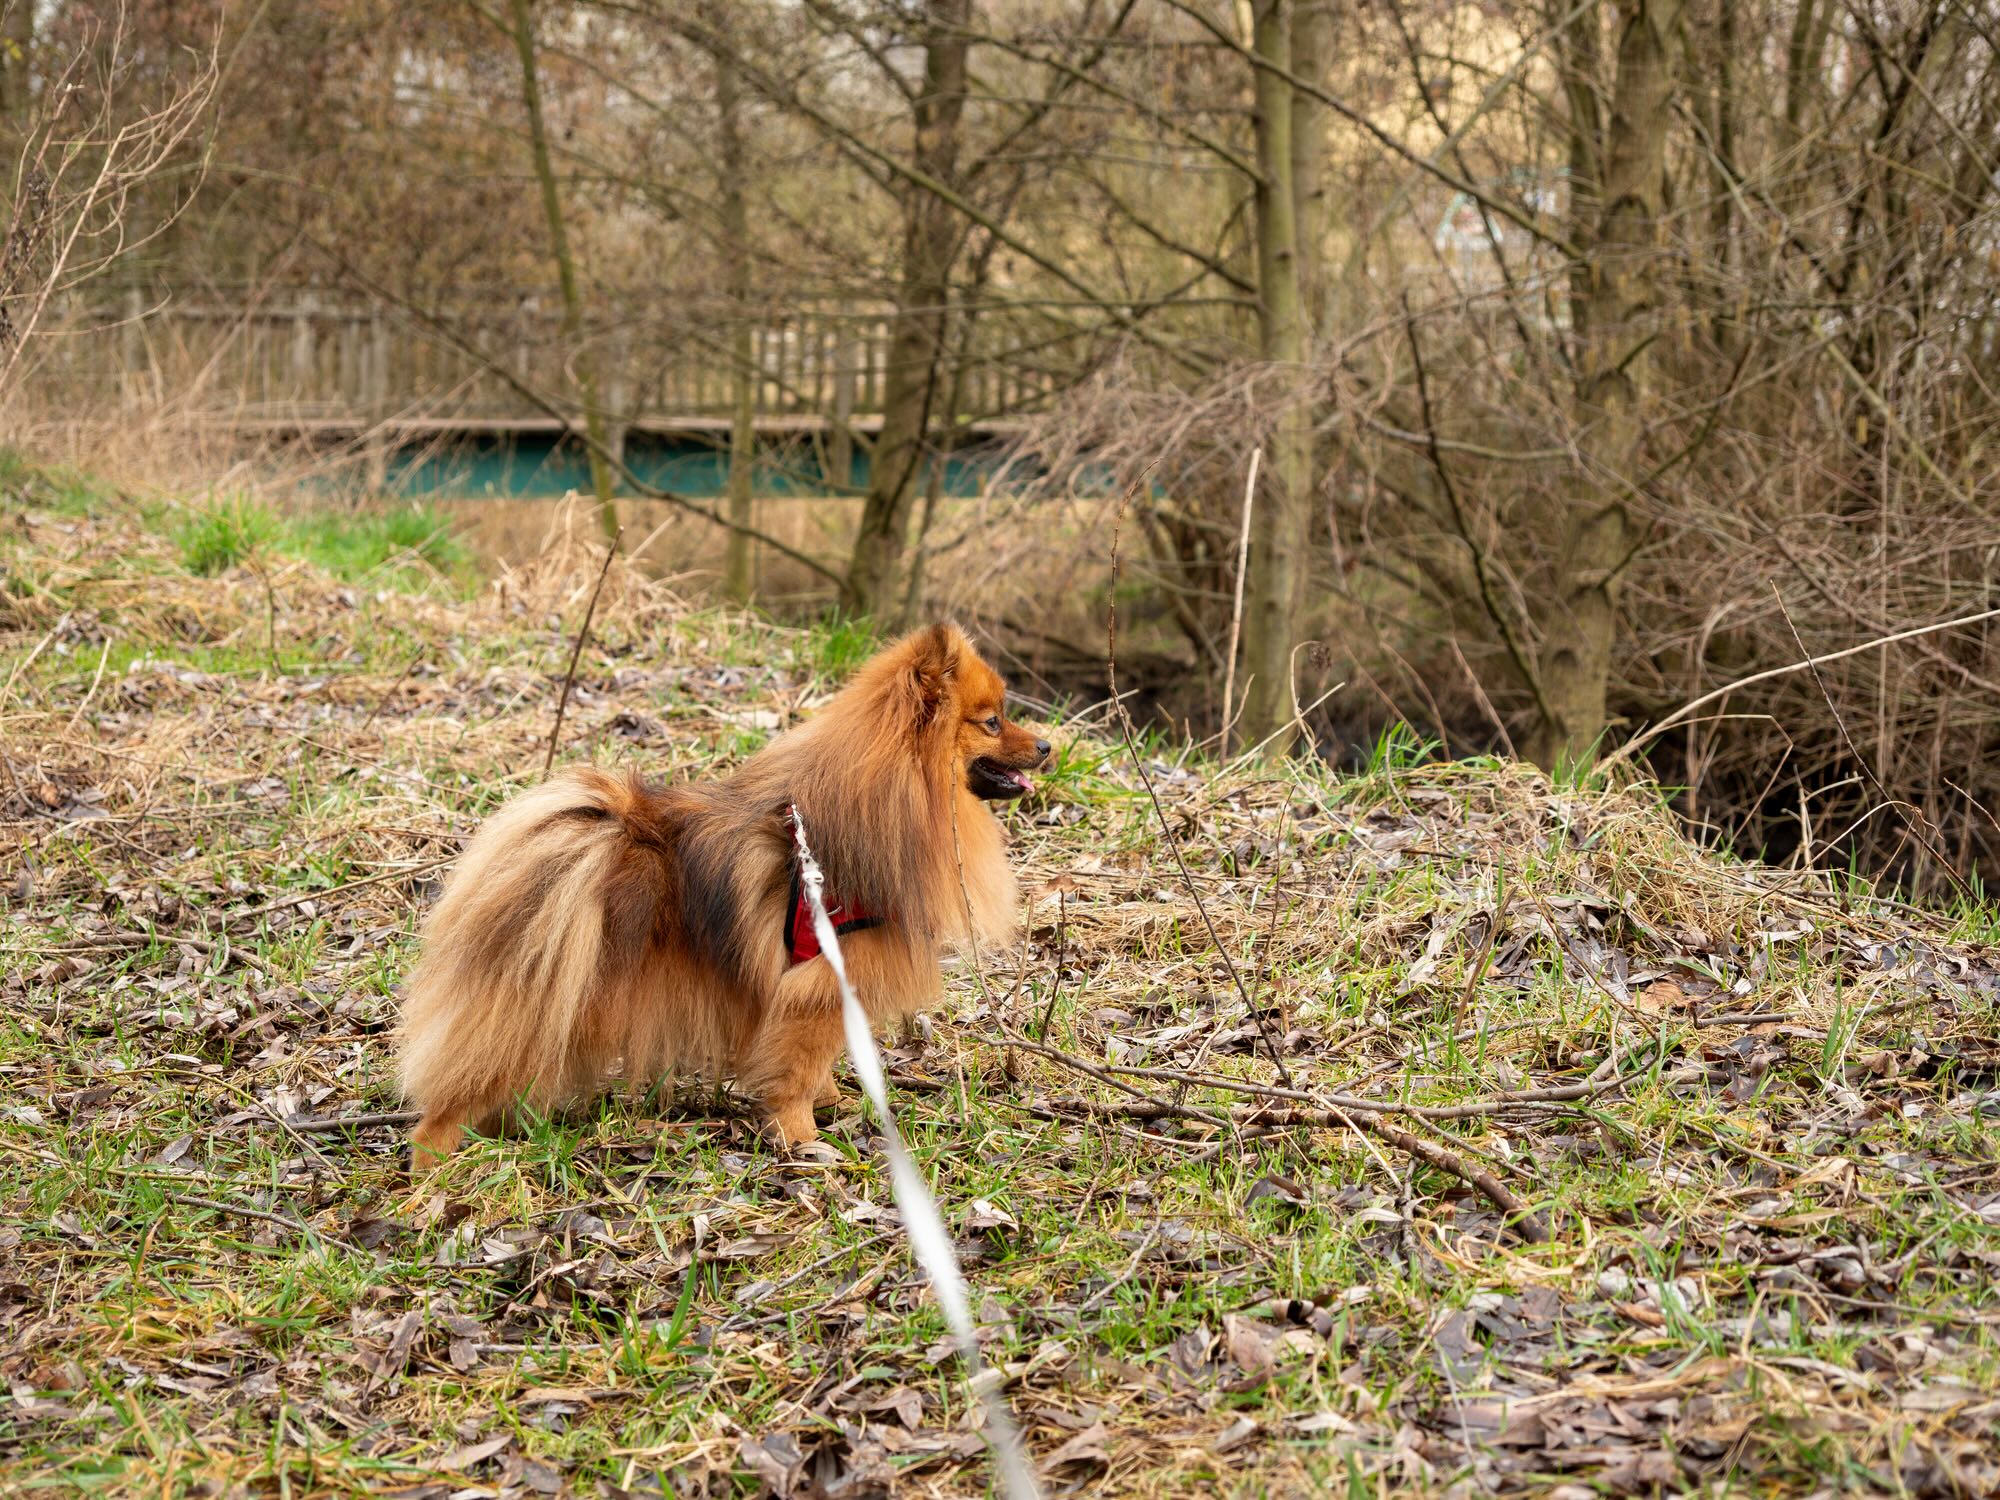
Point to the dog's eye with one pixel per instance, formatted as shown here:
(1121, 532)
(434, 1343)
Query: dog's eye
(993, 723)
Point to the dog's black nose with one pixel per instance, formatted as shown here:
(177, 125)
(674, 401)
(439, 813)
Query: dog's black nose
(1041, 747)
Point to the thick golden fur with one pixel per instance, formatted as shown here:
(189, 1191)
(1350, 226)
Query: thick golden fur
(597, 918)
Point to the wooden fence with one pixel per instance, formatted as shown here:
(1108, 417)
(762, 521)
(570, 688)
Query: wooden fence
(289, 358)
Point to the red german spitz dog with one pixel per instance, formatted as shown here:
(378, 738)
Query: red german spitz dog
(597, 918)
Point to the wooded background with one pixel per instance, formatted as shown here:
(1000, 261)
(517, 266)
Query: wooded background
(1596, 355)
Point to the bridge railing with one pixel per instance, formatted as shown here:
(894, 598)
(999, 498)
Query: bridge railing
(265, 357)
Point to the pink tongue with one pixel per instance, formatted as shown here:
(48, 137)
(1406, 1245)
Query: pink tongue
(1022, 781)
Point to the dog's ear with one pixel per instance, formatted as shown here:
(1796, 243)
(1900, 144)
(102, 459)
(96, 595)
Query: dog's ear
(935, 662)
(931, 668)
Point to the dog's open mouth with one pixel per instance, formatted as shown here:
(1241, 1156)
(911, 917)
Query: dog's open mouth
(994, 782)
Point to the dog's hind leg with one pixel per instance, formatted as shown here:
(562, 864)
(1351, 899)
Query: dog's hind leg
(436, 1137)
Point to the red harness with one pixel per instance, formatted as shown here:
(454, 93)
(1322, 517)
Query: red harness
(801, 939)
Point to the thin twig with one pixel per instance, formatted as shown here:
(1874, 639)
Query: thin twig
(1486, 949)
(1062, 948)
(420, 868)
(244, 1210)
(1277, 901)
(846, 1293)
(582, 634)
(1145, 1243)
(1491, 1104)
(96, 678)
(1516, 651)
(1362, 1122)
(382, 702)
(221, 950)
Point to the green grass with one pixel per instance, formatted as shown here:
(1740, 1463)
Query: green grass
(363, 544)
(397, 544)
(838, 644)
(386, 545)
(226, 533)
(58, 488)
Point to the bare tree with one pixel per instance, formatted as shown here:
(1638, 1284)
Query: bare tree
(83, 150)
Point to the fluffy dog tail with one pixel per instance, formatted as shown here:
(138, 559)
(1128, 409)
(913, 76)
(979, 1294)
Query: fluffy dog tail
(515, 999)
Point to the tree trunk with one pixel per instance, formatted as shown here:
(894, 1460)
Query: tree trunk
(572, 305)
(1312, 53)
(1722, 213)
(1618, 319)
(1804, 48)
(1281, 522)
(931, 240)
(1583, 66)
(737, 570)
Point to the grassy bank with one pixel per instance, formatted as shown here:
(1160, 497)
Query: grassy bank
(1750, 1117)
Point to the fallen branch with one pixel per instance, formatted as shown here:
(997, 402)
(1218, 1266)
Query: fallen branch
(244, 1210)
(357, 1122)
(1363, 1116)
(220, 950)
(301, 897)
(1361, 1121)
(1489, 1104)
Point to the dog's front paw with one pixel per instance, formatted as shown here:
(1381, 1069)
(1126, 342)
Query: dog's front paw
(792, 1125)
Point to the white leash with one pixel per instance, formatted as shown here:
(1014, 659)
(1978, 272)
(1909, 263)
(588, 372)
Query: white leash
(928, 1239)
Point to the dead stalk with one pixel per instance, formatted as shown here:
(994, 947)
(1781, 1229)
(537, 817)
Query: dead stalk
(1236, 609)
